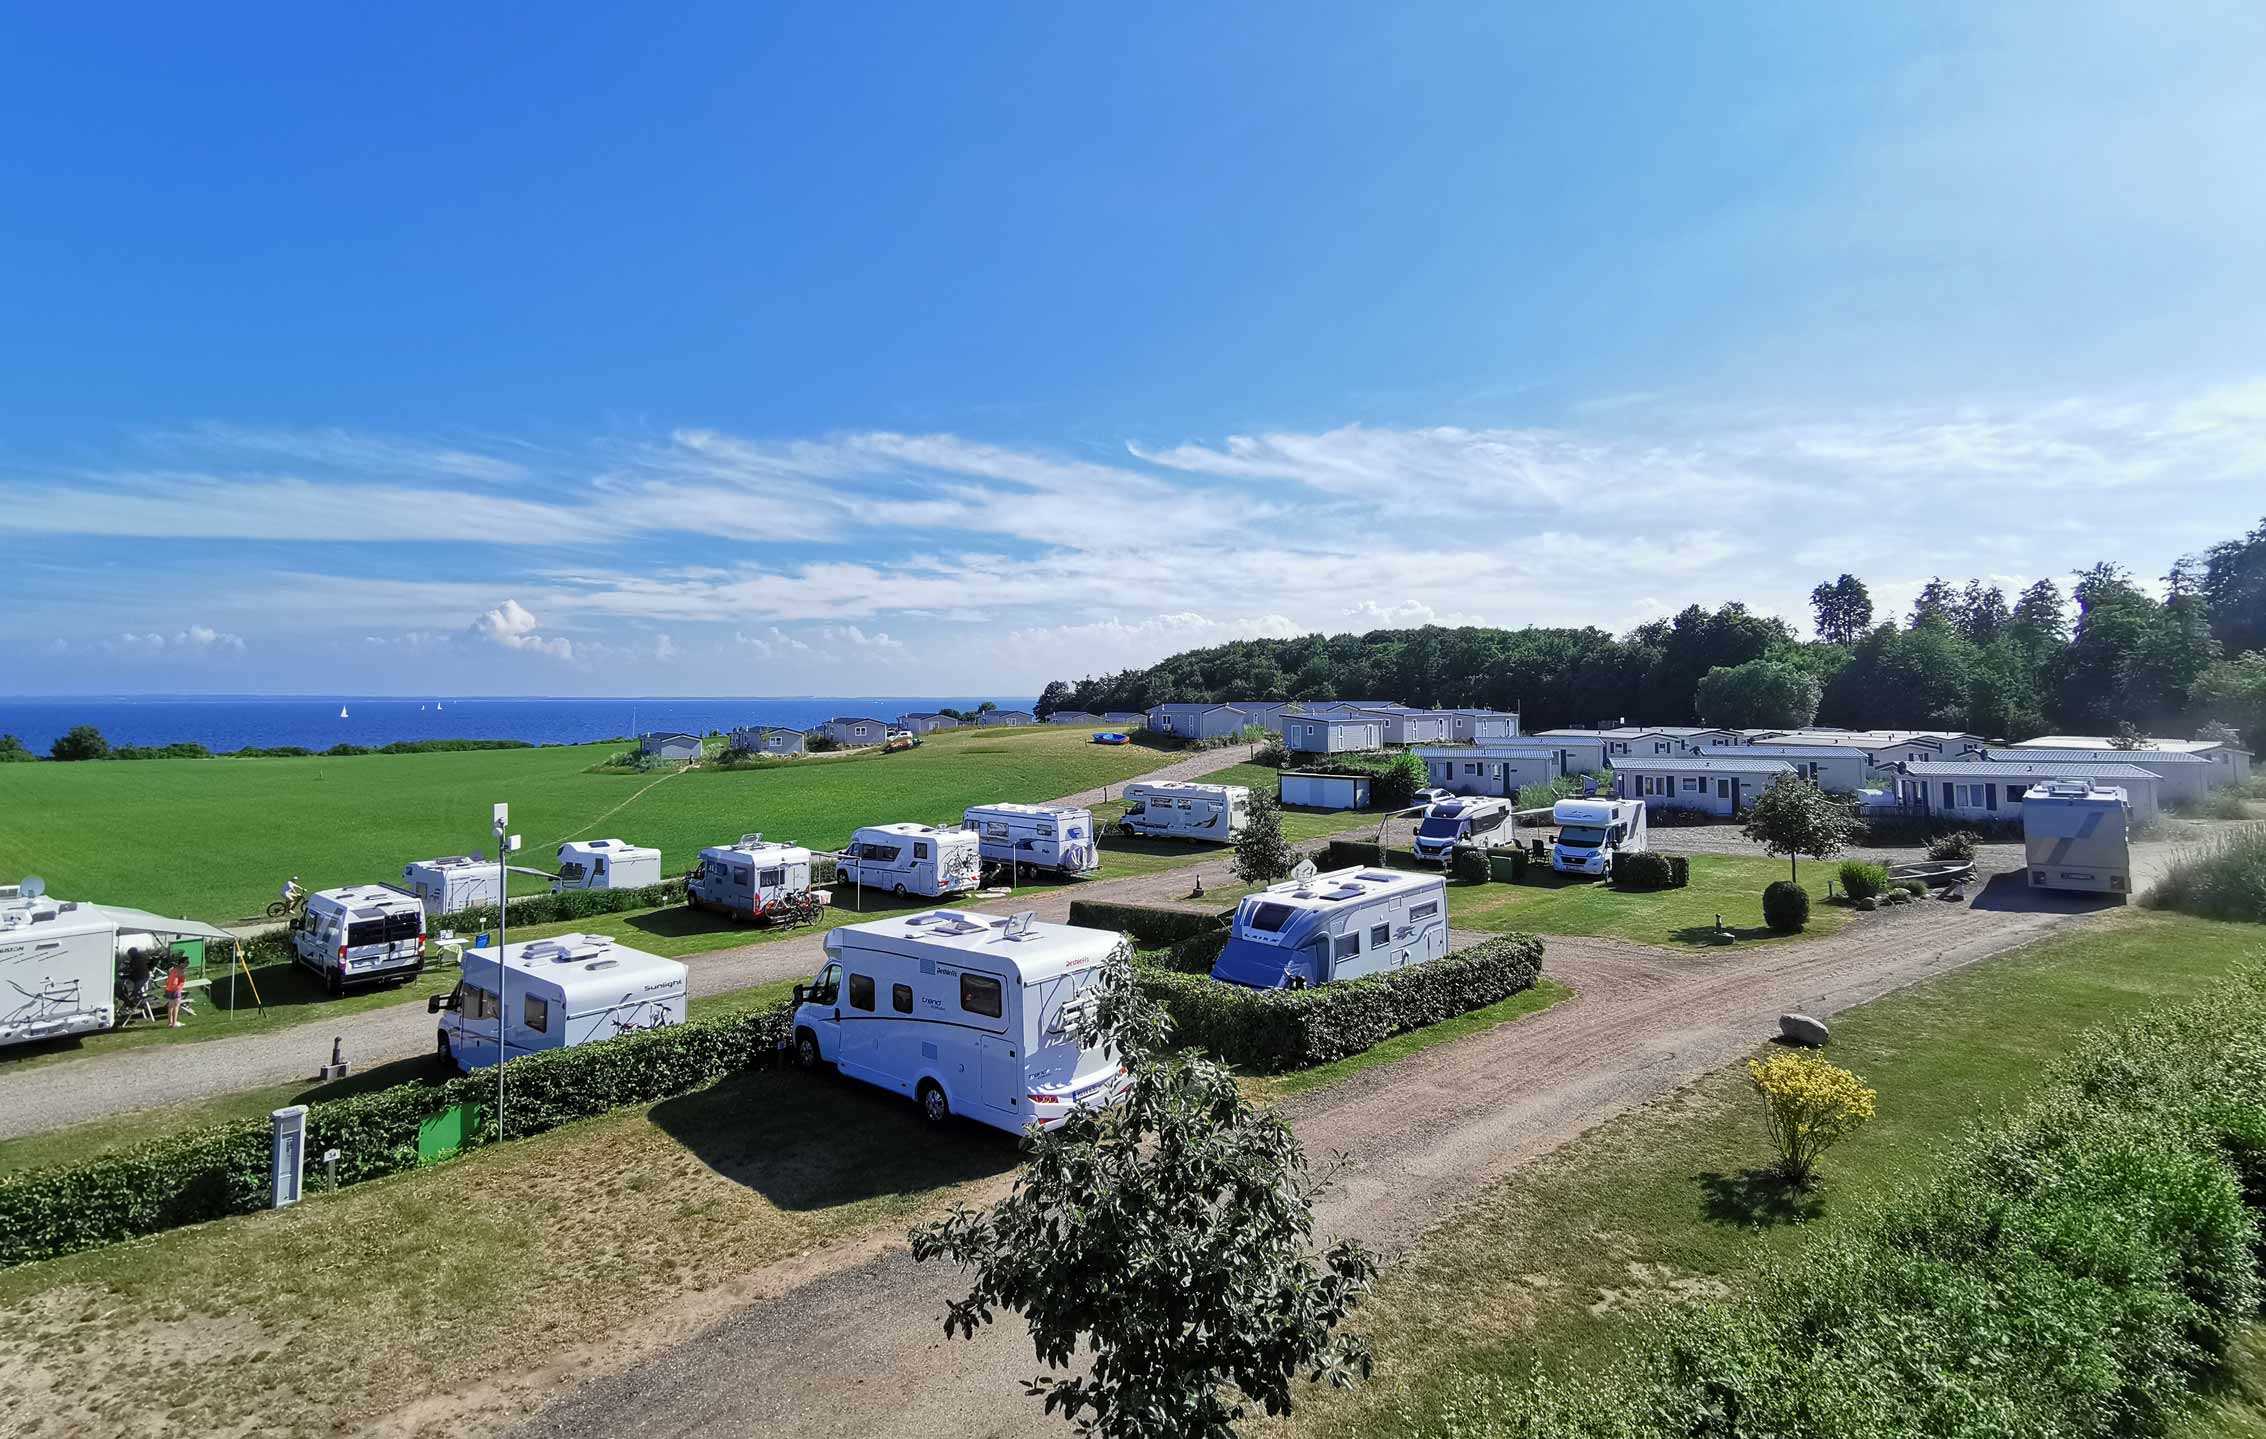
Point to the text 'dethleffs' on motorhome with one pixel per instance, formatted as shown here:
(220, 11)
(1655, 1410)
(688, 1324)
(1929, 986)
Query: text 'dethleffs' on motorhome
(1036, 836)
(2077, 837)
(753, 879)
(1169, 809)
(1592, 832)
(452, 883)
(978, 1015)
(1472, 823)
(555, 993)
(913, 859)
(606, 864)
(1339, 925)
(363, 934)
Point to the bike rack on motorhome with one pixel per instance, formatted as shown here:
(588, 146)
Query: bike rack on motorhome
(1339, 925)
(755, 879)
(1036, 836)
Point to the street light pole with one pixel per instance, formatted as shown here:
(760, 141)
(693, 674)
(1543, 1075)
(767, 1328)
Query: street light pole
(503, 971)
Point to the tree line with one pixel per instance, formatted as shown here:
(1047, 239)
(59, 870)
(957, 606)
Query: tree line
(2104, 656)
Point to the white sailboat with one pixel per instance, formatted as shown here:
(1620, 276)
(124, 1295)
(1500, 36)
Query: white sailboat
(342, 712)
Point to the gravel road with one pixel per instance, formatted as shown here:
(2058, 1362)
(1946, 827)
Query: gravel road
(1196, 766)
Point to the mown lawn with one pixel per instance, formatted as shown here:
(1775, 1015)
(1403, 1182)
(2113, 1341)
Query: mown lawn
(1726, 885)
(1667, 1202)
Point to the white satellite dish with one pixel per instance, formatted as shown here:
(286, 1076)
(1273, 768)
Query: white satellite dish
(32, 887)
(1303, 870)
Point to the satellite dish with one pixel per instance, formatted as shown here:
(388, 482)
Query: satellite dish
(32, 887)
(1303, 870)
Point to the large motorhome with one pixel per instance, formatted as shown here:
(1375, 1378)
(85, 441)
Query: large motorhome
(360, 935)
(1173, 809)
(553, 994)
(452, 883)
(58, 968)
(971, 1014)
(1591, 832)
(913, 859)
(1039, 836)
(753, 879)
(1468, 822)
(1340, 925)
(2077, 837)
(606, 864)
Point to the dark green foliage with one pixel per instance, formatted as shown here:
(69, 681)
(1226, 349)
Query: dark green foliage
(1651, 870)
(13, 751)
(82, 742)
(1394, 779)
(276, 751)
(2224, 878)
(1149, 926)
(1471, 866)
(1959, 844)
(1793, 817)
(1262, 855)
(1349, 853)
(162, 751)
(1844, 610)
(1896, 830)
(818, 743)
(566, 905)
(1758, 694)
(1273, 1030)
(1861, 879)
(1785, 906)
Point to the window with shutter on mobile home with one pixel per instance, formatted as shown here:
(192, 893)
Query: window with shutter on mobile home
(1349, 945)
(1380, 935)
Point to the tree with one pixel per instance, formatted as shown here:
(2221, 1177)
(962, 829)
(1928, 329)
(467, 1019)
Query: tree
(1809, 1105)
(2234, 586)
(1844, 610)
(1395, 786)
(1056, 696)
(1982, 614)
(14, 751)
(1760, 694)
(1167, 1239)
(83, 742)
(2233, 693)
(1262, 855)
(1938, 603)
(2041, 618)
(1793, 817)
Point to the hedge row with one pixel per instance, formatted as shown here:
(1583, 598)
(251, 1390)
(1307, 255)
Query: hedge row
(566, 905)
(1278, 1029)
(1647, 870)
(210, 1173)
(1150, 926)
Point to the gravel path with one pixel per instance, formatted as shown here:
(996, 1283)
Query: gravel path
(1196, 766)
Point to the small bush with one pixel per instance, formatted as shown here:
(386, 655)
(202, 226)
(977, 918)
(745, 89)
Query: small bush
(1809, 1105)
(1471, 866)
(1861, 879)
(572, 904)
(1959, 845)
(1646, 870)
(1914, 888)
(2224, 878)
(1786, 907)
(2227, 803)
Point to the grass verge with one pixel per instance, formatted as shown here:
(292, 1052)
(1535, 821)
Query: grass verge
(1726, 885)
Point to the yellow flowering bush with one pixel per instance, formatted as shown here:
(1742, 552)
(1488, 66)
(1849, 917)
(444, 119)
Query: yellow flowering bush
(1809, 1105)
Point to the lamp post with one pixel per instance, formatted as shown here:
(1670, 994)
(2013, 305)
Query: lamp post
(506, 842)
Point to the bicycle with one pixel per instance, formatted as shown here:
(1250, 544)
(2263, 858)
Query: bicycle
(294, 906)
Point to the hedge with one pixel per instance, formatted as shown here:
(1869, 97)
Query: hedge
(1648, 870)
(566, 905)
(1271, 1030)
(211, 1173)
(1152, 927)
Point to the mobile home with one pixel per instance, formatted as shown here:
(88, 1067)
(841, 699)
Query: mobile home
(670, 745)
(1332, 734)
(752, 879)
(1836, 769)
(767, 739)
(1073, 717)
(1477, 726)
(855, 731)
(913, 859)
(2187, 777)
(1006, 717)
(1037, 836)
(1452, 823)
(1407, 727)
(1992, 789)
(362, 934)
(554, 993)
(1172, 809)
(2230, 761)
(1340, 925)
(454, 882)
(1197, 721)
(970, 1014)
(606, 864)
(1592, 833)
(926, 722)
(1488, 769)
(1709, 783)
(2076, 836)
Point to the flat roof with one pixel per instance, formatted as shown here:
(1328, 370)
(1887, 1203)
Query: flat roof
(1189, 787)
(1038, 949)
(367, 894)
(765, 848)
(1346, 886)
(1015, 807)
(1695, 763)
(2108, 756)
(908, 827)
(2026, 767)
(587, 968)
(2106, 742)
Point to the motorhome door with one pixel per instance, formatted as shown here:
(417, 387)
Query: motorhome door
(826, 995)
(1001, 1069)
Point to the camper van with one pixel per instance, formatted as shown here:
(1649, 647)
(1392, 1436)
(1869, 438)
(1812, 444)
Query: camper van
(457, 882)
(2077, 837)
(970, 1014)
(360, 935)
(1037, 835)
(1171, 809)
(754, 879)
(913, 859)
(1592, 831)
(1482, 823)
(58, 968)
(606, 864)
(1340, 925)
(554, 994)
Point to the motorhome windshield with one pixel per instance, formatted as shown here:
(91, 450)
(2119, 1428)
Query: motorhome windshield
(1270, 918)
(1441, 826)
(1581, 836)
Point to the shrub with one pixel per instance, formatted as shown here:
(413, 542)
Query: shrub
(571, 904)
(183, 750)
(2227, 803)
(14, 751)
(1262, 855)
(1646, 870)
(1809, 1105)
(1506, 866)
(1959, 845)
(817, 743)
(2224, 878)
(81, 743)
(1862, 879)
(1271, 753)
(1471, 865)
(1150, 927)
(1347, 853)
(1786, 906)
(1915, 888)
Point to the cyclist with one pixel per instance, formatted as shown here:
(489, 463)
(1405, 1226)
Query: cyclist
(291, 892)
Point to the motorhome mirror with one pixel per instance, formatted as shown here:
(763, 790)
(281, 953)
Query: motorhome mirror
(432, 1004)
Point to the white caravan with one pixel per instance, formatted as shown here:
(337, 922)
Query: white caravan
(1592, 831)
(58, 968)
(1173, 809)
(361, 934)
(970, 1014)
(554, 994)
(1340, 925)
(913, 859)
(456, 882)
(2077, 837)
(606, 864)
(1452, 822)
(1038, 835)
(752, 879)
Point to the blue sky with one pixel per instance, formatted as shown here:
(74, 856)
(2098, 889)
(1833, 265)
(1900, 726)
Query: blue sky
(870, 349)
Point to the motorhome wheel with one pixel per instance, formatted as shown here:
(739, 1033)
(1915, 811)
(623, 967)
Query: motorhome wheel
(806, 1049)
(900, 889)
(440, 1037)
(935, 1108)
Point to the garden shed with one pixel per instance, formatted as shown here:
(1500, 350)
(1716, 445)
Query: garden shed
(1306, 789)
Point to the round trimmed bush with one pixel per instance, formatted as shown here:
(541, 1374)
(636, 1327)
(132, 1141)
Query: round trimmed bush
(1786, 906)
(1643, 870)
(1863, 880)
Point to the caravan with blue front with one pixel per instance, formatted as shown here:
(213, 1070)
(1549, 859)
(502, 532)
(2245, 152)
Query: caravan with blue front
(1340, 925)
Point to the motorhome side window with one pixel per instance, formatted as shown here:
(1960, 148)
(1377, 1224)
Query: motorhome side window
(829, 985)
(920, 849)
(773, 878)
(1423, 911)
(535, 1013)
(1349, 945)
(478, 1003)
(1380, 935)
(980, 994)
(901, 998)
(741, 874)
(861, 992)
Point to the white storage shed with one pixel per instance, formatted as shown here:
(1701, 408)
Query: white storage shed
(1303, 789)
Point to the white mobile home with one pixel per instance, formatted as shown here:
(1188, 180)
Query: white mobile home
(673, 745)
(2075, 836)
(1173, 809)
(2230, 761)
(1836, 769)
(554, 994)
(1302, 789)
(606, 864)
(1643, 741)
(1709, 783)
(855, 731)
(766, 739)
(1407, 727)
(970, 1014)
(1450, 823)
(1124, 718)
(1268, 714)
(1340, 925)
(1321, 734)
(1489, 769)
(1037, 836)
(1479, 726)
(753, 879)
(926, 722)
(1197, 721)
(1006, 717)
(2187, 777)
(361, 934)
(913, 859)
(1992, 789)
(452, 883)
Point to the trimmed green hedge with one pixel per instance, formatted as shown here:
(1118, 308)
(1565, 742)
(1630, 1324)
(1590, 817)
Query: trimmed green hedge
(210, 1173)
(1350, 853)
(1151, 926)
(567, 905)
(1648, 870)
(1472, 866)
(1277, 1029)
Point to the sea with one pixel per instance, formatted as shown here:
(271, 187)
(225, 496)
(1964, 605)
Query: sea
(230, 722)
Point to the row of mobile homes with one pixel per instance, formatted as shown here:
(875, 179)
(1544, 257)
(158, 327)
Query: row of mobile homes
(855, 731)
(1300, 789)
(753, 879)
(672, 746)
(768, 739)
(454, 882)
(554, 994)
(1592, 833)
(2187, 778)
(606, 864)
(1707, 783)
(1123, 718)
(1480, 726)
(1341, 925)
(1836, 769)
(1197, 721)
(1172, 809)
(1490, 769)
(2077, 836)
(1086, 717)
(913, 859)
(2230, 761)
(1006, 717)
(972, 1014)
(1338, 734)
(926, 722)
(1058, 838)
(1992, 789)
(361, 934)
(1450, 824)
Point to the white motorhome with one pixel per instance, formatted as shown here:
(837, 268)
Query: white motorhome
(755, 878)
(58, 968)
(554, 994)
(606, 864)
(913, 859)
(970, 1014)
(1340, 925)
(1174, 809)
(1449, 823)
(2077, 837)
(1591, 832)
(360, 935)
(1041, 836)
(452, 883)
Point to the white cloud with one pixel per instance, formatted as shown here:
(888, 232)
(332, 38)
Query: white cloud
(1412, 615)
(195, 640)
(664, 648)
(513, 626)
(854, 638)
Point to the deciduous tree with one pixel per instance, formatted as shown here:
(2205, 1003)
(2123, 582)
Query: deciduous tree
(1793, 817)
(1262, 855)
(81, 742)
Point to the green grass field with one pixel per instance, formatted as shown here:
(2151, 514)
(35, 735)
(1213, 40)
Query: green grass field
(1728, 885)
